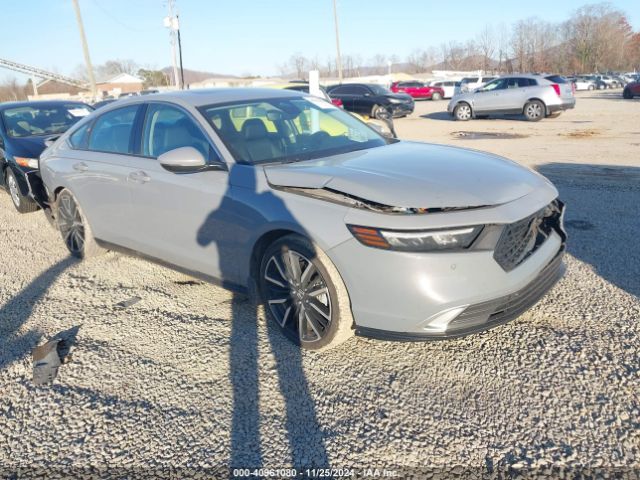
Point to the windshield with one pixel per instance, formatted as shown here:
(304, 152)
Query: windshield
(35, 120)
(379, 90)
(288, 129)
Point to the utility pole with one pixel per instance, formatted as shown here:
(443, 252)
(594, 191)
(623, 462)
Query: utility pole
(85, 49)
(338, 58)
(171, 22)
(180, 54)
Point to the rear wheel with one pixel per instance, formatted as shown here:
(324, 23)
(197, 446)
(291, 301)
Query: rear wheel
(436, 96)
(534, 110)
(23, 203)
(462, 112)
(304, 295)
(72, 224)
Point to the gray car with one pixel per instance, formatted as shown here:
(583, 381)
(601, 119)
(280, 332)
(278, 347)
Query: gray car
(337, 229)
(533, 96)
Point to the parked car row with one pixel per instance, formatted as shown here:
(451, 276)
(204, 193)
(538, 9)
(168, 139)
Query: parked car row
(285, 196)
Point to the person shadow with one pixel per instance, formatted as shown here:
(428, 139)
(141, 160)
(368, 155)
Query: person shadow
(232, 228)
(17, 310)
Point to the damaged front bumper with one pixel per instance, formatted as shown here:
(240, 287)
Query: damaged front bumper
(38, 192)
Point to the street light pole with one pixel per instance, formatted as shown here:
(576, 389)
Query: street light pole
(85, 49)
(338, 58)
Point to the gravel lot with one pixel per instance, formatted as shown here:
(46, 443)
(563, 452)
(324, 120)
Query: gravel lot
(191, 379)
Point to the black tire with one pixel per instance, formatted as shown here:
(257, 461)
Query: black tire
(74, 228)
(304, 295)
(534, 110)
(23, 203)
(626, 93)
(374, 111)
(462, 112)
(436, 96)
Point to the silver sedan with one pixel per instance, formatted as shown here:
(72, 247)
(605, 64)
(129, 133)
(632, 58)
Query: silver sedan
(283, 196)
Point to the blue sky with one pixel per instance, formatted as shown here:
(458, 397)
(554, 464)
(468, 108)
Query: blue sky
(252, 36)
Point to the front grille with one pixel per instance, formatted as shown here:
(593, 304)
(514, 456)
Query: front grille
(503, 309)
(520, 239)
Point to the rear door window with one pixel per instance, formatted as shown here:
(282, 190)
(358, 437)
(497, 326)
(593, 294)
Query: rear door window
(167, 128)
(112, 131)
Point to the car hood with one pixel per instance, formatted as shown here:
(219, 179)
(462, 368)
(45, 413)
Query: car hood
(29, 147)
(413, 175)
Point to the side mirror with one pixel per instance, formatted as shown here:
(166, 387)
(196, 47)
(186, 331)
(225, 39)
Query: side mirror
(186, 160)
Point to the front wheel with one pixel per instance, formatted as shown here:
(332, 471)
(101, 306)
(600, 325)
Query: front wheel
(23, 203)
(462, 112)
(72, 224)
(304, 295)
(534, 110)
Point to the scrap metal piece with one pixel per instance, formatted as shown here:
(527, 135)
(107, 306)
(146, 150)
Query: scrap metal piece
(46, 362)
(127, 303)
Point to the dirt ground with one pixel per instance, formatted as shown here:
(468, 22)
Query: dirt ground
(190, 380)
(603, 129)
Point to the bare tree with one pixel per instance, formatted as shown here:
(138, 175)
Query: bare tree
(486, 43)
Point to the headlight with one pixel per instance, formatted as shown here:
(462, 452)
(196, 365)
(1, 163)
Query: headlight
(417, 240)
(27, 162)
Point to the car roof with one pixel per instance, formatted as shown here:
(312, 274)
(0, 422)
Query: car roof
(211, 96)
(39, 103)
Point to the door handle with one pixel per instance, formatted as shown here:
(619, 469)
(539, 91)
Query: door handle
(80, 167)
(139, 177)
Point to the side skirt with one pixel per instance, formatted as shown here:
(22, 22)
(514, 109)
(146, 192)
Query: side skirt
(234, 287)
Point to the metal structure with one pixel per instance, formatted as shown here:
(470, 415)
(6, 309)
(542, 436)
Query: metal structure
(40, 73)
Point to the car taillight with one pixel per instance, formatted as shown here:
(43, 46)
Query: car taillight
(556, 87)
(337, 102)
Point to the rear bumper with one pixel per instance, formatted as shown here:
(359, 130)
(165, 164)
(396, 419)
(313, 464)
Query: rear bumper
(485, 315)
(566, 105)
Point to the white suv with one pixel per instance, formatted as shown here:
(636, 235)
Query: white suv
(468, 84)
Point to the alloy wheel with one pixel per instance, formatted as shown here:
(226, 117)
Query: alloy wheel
(464, 112)
(70, 223)
(533, 110)
(297, 296)
(13, 190)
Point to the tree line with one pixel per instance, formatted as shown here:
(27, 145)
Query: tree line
(596, 38)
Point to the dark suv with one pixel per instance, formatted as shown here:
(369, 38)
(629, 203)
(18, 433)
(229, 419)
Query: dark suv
(368, 99)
